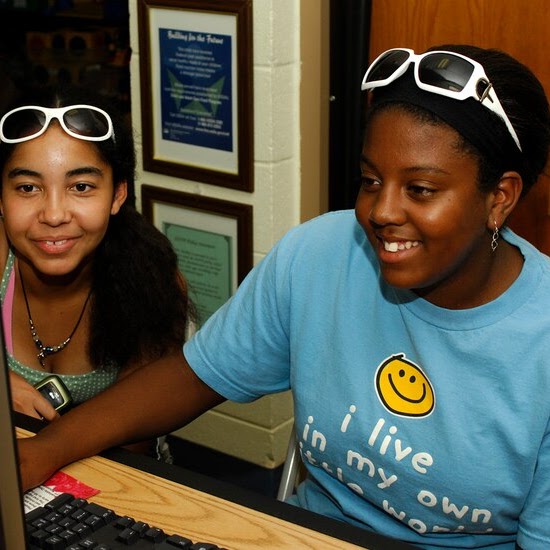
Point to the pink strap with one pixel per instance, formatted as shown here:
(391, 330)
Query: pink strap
(7, 308)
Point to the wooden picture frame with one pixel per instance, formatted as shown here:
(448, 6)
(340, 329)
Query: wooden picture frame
(196, 90)
(212, 239)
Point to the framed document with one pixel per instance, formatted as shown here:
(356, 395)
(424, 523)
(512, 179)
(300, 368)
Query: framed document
(212, 239)
(196, 90)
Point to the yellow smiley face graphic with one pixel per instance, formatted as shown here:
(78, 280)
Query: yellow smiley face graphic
(403, 388)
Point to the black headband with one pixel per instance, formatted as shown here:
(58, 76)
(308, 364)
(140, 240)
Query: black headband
(485, 130)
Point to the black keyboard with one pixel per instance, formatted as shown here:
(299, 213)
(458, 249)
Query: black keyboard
(68, 523)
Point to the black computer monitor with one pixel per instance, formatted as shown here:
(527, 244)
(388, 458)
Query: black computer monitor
(12, 526)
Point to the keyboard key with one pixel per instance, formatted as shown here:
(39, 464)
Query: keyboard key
(69, 536)
(79, 514)
(124, 522)
(39, 523)
(154, 534)
(79, 502)
(94, 522)
(106, 514)
(66, 522)
(35, 514)
(55, 542)
(53, 517)
(58, 501)
(179, 542)
(128, 536)
(54, 529)
(38, 537)
(81, 529)
(140, 527)
(85, 544)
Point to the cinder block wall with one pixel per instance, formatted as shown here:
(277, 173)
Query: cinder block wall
(256, 432)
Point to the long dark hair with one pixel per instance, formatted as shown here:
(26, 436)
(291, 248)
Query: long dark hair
(140, 308)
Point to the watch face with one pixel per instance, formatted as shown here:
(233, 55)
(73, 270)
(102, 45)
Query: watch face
(52, 394)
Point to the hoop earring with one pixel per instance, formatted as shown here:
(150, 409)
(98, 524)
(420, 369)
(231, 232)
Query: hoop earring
(494, 238)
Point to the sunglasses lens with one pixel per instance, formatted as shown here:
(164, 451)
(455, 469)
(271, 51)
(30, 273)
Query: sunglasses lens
(87, 122)
(387, 65)
(445, 71)
(22, 124)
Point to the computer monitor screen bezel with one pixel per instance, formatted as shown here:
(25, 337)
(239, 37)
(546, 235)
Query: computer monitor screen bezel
(12, 526)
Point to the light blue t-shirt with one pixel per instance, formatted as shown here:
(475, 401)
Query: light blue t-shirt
(422, 423)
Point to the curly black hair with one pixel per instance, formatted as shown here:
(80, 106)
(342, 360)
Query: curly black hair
(140, 308)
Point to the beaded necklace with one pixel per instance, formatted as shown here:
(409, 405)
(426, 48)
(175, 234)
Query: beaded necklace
(45, 351)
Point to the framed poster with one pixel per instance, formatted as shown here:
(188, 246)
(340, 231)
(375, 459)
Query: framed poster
(212, 239)
(196, 90)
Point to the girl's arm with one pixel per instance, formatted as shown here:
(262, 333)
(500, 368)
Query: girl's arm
(152, 400)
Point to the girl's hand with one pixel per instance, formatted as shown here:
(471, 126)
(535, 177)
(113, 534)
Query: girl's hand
(28, 400)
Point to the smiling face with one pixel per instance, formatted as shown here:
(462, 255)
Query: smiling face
(403, 388)
(57, 198)
(421, 208)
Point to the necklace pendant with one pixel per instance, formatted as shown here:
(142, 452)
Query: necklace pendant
(45, 351)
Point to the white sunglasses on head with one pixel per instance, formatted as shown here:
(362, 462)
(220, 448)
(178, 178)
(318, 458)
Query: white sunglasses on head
(80, 121)
(445, 73)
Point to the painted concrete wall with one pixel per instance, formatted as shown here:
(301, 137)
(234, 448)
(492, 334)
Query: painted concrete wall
(257, 432)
